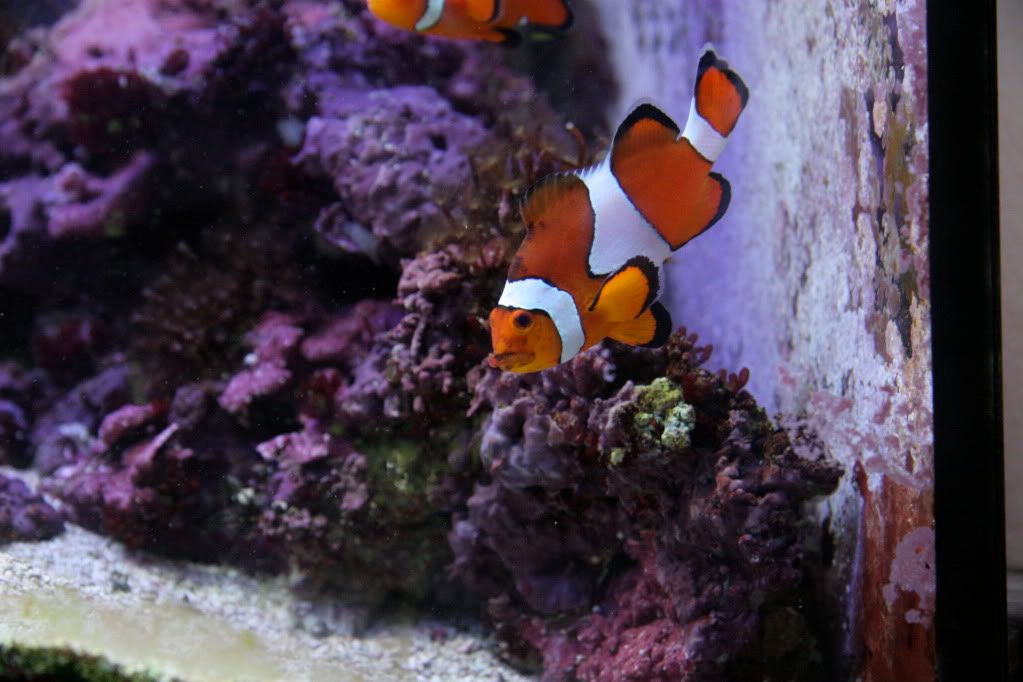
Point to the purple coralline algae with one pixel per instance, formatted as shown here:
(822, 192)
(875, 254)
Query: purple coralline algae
(386, 153)
(81, 113)
(254, 245)
(420, 366)
(639, 527)
(66, 432)
(13, 433)
(272, 341)
(22, 394)
(25, 516)
(332, 517)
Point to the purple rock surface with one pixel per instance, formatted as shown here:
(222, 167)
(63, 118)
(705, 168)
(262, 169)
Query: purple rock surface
(13, 433)
(24, 515)
(272, 341)
(646, 525)
(387, 155)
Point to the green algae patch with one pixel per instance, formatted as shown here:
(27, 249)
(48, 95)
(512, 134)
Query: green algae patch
(62, 664)
(53, 632)
(401, 474)
(401, 549)
(662, 417)
(617, 456)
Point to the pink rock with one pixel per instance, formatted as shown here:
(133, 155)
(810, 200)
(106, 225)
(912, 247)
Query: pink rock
(25, 515)
(128, 418)
(265, 379)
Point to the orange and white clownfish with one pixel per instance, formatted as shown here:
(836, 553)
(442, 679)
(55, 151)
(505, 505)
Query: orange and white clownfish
(590, 265)
(497, 21)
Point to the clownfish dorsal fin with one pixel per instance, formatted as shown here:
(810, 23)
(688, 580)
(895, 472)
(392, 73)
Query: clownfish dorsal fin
(549, 198)
(627, 292)
(651, 329)
(645, 128)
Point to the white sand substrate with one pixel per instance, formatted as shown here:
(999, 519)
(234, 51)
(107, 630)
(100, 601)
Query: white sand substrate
(195, 623)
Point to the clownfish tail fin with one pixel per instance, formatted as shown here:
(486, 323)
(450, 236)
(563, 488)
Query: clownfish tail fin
(650, 330)
(720, 94)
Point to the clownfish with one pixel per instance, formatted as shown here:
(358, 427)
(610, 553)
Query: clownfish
(589, 267)
(497, 21)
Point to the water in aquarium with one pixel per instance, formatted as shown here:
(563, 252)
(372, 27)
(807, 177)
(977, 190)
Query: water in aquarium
(465, 340)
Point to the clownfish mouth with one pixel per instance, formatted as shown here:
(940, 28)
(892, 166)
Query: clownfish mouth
(510, 361)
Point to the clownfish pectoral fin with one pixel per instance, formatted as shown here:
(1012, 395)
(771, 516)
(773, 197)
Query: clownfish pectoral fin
(628, 292)
(651, 329)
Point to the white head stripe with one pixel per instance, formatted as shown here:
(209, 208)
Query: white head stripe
(434, 9)
(709, 142)
(536, 294)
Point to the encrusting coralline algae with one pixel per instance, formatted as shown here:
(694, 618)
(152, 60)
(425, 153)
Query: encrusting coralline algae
(275, 228)
(24, 515)
(618, 553)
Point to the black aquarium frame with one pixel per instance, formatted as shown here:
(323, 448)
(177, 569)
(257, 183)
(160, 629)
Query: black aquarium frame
(970, 616)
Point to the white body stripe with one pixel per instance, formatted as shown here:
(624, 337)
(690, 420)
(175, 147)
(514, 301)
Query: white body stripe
(536, 294)
(707, 141)
(432, 14)
(620, 232)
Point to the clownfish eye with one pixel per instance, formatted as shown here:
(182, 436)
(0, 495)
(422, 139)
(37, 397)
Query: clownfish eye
(523, 320)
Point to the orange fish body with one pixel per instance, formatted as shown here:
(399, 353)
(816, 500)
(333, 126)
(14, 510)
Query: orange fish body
(497, 21)
(590, 266)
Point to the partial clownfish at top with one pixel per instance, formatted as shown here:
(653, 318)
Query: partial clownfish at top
(497, 21)
(590, 266)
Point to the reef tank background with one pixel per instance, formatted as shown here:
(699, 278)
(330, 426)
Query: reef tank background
(246, 426)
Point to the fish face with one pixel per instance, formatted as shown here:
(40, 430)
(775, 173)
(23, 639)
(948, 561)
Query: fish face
(523, 340)
(401, 13)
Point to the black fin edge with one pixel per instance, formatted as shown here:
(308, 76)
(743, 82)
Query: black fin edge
(709, 59)
(663, 328)
(649, 270)
(644, 111)
(726, 199)
(495, 13)
(568, 23)
(536, 28)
